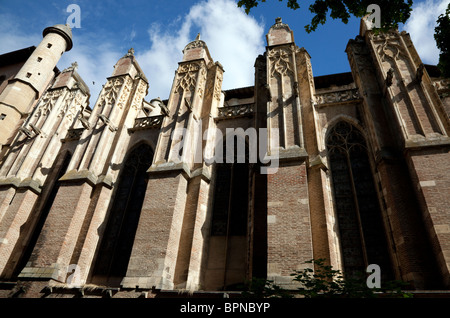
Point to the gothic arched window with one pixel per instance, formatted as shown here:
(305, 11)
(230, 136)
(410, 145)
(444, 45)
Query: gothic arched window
(115, 249)
(231, 196)
(227, 258)
(362, 234)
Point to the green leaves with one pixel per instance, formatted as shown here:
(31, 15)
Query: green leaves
(393, 12)
(319, 280)
(325, 282)
(262, 288)
(442, 37)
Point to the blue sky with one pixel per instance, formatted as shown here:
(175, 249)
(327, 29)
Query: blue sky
(158, 31)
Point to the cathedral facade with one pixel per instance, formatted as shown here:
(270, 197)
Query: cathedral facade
(125, 197)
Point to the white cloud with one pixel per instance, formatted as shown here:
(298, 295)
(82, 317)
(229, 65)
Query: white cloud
(160, 61)
(95, 60)
(95, 63)
(421, 26)
(233, 38)
(11, 39)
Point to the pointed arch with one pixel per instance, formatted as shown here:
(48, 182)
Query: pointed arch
(229, 245)
(117, 240)
(362, 234)
(61, 164)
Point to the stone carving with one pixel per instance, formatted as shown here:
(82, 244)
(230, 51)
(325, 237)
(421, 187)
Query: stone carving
(361, 59)
(107, 122)
(148, 122)
(389, 77)
(74, 134)
(390, 49)
(71, 105)
(195, 44)
(37, 131)
(72, 67)
(68, 100)
(442, 84)
(125, 93)
(343, 96)
(130, 52)
(188, 76)
(280, 25)
(385, 36)
(309, 70)
(27, 132)
(235, 111)
(218, 86)
(48, 102)
(110, 91)
(84, 122)
(419, 72)
(201, 82)
(280, 61)
(139, 95)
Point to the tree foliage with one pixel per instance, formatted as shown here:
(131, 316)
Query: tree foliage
(262, 288)
(442, 37)
(393, 12)
(319, 280)
(325, 282)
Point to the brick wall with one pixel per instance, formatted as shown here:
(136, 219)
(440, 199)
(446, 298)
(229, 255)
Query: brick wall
(430, 170)
(155, 250)
(288, 222)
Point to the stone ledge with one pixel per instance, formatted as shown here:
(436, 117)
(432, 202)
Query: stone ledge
(170, 167)
(318, 162)
(426, 142)
(146, 282)
(32, 184)
(106, 180)
(291, 154)
(40, 273)
(15, 182)
(85, 175)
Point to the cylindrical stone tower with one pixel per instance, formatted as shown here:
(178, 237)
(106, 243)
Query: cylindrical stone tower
(22, 91)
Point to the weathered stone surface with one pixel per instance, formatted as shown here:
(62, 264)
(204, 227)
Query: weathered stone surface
(132, 182)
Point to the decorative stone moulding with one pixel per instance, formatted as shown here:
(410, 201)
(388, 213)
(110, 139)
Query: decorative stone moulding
(229, 112)
(338, 97)
(73, 134)
(148, 122)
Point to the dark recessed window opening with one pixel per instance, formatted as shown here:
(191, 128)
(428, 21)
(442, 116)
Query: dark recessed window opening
(2, 116)
(231, 197)
(28, 75)
(39, 59)
(49, 45)
(115, 248)
(362, 233)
